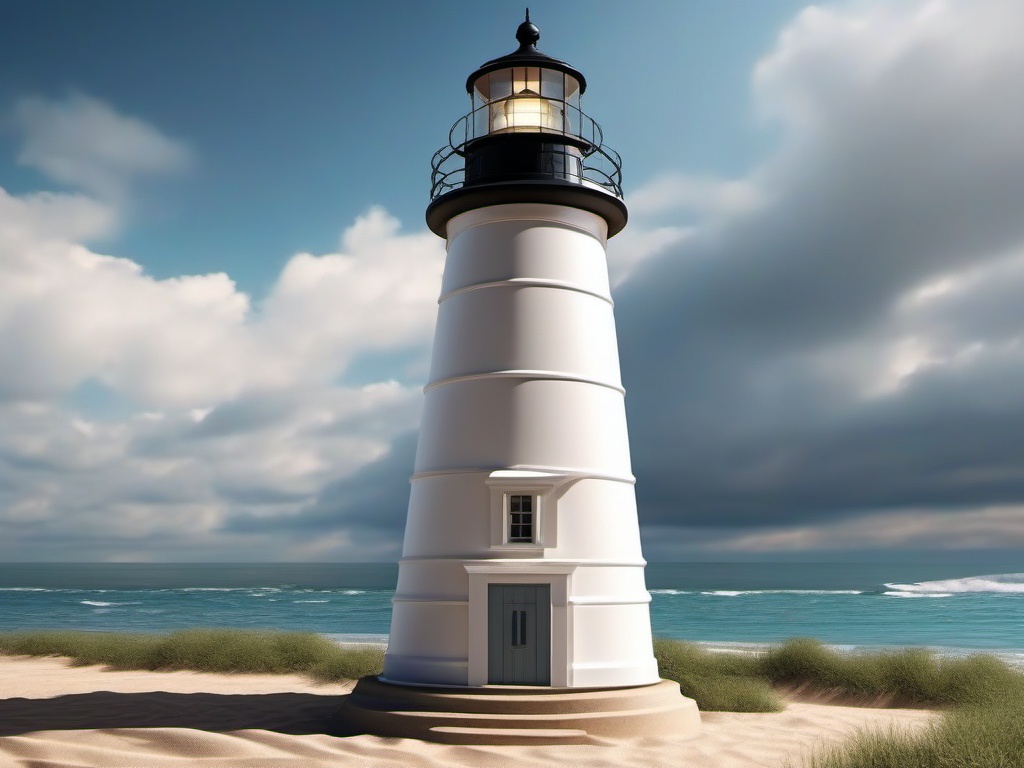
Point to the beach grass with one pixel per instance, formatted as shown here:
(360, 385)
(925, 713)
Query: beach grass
(989, 736)
(722, 682)
(913, 677)
(983, 726)
(204, 650)
(718, 681)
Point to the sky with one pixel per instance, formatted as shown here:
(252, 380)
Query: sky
(217, 290)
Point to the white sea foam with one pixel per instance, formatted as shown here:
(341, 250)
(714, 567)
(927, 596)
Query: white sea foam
(669, 592)
(739, 593)
(354, 592)
(1015, 660)
(1006, 583)
(900, 593)
(727, 647)
(96, 603)
(377, 641)
(311, 601)
(254, 591)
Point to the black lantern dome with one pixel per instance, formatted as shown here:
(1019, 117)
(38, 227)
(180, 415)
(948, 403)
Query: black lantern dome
(526, 139)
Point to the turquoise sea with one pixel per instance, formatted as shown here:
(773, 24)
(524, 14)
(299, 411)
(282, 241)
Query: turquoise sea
(953, 609)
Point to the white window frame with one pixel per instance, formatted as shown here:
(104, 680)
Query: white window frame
(541, 486)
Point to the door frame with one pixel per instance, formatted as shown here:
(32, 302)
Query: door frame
(558, 577)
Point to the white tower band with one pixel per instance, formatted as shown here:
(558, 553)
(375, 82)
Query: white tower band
(521, 563)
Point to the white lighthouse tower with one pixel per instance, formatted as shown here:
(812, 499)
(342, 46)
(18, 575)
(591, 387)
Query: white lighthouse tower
(521, 571)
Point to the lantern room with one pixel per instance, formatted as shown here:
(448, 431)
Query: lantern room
(526, 91)
(526, 126)
(525, 99)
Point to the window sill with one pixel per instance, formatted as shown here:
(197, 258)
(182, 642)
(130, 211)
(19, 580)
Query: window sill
(517, 547)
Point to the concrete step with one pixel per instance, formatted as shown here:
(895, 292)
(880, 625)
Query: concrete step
(486, 715)
(450, 734)
(374, 694)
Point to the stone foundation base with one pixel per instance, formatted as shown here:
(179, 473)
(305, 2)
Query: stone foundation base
(519, 714)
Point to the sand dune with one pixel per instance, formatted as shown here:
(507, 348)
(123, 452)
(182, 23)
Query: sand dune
(54, 715)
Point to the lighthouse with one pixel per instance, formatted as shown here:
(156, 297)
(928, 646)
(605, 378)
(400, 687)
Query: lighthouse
(521, 601)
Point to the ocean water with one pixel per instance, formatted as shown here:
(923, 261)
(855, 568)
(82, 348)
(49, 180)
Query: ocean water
(953, 609)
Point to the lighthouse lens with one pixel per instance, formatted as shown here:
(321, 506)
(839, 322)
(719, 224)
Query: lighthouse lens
(524, 99)
(526, 110)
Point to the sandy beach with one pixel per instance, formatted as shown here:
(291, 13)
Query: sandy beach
(55, 715)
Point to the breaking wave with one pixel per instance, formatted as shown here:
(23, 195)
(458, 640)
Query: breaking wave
(1006, 583)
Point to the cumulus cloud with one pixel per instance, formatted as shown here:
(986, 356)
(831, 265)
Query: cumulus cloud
(845, 339)
(378, 293)
(165, 484)
(227, 411)
(69, 315)
(83, 142)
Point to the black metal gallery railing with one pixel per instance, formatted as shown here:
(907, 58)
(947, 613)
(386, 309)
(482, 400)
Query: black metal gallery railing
(583, 159)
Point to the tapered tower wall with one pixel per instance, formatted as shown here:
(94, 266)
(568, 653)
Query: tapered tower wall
(524, 396)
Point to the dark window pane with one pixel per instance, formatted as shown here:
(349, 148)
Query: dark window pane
(520, 518)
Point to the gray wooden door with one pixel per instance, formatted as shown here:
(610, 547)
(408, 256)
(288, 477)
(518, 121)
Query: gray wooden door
(519, 634)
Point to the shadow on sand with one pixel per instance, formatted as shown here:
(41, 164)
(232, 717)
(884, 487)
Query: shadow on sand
(294, 714)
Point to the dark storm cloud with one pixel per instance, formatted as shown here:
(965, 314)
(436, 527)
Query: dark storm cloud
(370, 503)
(252, 494)
(733, 340)
(246, 414)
